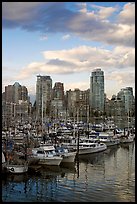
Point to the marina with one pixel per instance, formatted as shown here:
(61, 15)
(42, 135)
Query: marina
(107, 176)
(68, 102)
(68, 161)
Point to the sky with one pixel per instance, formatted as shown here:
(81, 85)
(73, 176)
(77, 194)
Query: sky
(67, 41)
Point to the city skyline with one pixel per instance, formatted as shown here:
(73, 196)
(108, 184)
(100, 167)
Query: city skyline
(67, 41)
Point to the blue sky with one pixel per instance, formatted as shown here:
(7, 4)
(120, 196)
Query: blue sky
(68, 40)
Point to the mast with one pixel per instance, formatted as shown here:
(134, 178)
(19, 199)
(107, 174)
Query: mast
(42, 114)
(128, 123)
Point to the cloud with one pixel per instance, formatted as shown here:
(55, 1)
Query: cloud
(66, 37)
(127, 15)
(111, 63)
(125, 78)
(85, 57)
(118, 65)
(82, 85)
(35, 16)
(54, 17)
(118, 79)
(104, 12)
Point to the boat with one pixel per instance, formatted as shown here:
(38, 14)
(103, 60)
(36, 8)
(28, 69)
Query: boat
(126, 139)
(67, 155)
(108, 138)
(46, 155)
(17, 168)
(12, 167)
(91, 147)
(88, 146)
(30, 159)
(129, 135)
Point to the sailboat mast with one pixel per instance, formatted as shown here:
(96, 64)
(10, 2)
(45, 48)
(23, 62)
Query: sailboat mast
(42, 114)
(128, 122)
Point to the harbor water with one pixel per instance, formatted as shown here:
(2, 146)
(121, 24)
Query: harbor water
(107, 176)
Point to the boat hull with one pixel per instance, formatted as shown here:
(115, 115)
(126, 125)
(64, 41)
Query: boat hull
(53, 161)
(92, 150)
(69, 157)
(111, 143)
(17, 169)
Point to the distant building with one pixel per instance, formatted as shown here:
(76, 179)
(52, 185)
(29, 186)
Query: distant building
(43, 95)
(126, 95)
(16, 92)
(58, 91)
(9, 93)
(16, 104)
(78, 103)
(97, 90)
(57, 103)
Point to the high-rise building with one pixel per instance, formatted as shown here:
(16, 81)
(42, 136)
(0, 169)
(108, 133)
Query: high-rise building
(78, 103)
(97, 90)
(126, 95)
(43, 95)
(58, 91)
(57, 103)
(16, 92)
(15, 104)
(9, 93)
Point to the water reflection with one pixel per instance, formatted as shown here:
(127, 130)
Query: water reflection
(101, 177)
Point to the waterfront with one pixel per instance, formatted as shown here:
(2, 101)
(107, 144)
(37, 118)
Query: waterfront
(102, 177)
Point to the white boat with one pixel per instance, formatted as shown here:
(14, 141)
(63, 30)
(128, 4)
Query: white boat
(88, 146)
(108, 139)
(17, 168)
(47, 155)
(67, 155)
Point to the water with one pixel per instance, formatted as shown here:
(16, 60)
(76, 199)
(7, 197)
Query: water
(102, 177)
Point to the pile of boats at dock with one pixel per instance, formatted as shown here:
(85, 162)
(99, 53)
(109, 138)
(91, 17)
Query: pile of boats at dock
(21, 153)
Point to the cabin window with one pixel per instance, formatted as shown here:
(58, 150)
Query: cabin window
(40, 152)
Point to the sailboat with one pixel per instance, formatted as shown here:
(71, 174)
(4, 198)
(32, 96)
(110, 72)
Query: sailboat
(12, 164)
(12, 167)
(128, 136)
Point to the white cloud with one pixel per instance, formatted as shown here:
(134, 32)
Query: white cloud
(118, 65)
(103, 31)
(66, 37)
(118, 79)
(127, 15)
(82, 85)
(85, 57)
(104, 12)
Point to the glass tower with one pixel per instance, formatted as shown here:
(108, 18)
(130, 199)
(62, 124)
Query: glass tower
(97, 90)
